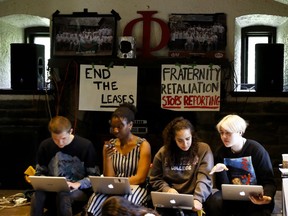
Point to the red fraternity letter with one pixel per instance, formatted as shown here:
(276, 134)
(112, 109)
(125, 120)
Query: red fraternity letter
(147, 19)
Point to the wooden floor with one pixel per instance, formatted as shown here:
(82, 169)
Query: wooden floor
(10, 209)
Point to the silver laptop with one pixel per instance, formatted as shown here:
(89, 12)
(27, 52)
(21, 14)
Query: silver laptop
(240, 192)
(49, 183)
(171, 200)
(111, 185)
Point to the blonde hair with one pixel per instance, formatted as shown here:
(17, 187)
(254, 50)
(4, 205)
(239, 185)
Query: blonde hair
(59, 124)
(233, 124)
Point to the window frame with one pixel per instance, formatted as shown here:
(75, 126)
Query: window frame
(252, 31)
(37, 31)
(30, 33)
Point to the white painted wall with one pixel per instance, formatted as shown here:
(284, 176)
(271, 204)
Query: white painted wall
(127, 9)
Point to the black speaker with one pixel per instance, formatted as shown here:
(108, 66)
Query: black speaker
(27, 66)
(269, 65)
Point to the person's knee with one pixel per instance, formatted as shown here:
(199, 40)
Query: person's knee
(215, 199)
(40, 196)
(214, 204)
(63, 194)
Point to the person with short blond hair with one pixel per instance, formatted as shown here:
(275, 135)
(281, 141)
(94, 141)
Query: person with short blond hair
(241, 161)
(67, 155)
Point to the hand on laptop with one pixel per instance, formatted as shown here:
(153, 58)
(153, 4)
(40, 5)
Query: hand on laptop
(172, 190)
(218, 168)
(197, 205)
(260, 200)
(73, 185)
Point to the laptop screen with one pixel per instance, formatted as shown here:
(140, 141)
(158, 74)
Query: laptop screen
(49, 183)
(110, 185)
(240, 192)
(171, 200)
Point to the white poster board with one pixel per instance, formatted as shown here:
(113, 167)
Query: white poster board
(103, 89)
(190, 87)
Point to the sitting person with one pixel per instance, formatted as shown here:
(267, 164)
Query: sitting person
(182, 165)
(126, 156)
(67, 155)
(120, 206)
(241, 161)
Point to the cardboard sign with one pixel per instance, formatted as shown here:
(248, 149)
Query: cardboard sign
(190, 87)
(103, 88)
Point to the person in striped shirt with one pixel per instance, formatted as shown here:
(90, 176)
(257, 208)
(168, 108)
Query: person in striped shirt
(127, 155)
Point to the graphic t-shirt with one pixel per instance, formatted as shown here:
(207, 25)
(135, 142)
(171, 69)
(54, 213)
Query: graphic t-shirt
(67, 166)
(241, 170)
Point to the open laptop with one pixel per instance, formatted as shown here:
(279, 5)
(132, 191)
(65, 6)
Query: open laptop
(111, 185)
(49, 183)
(240, 192)
(171, 200)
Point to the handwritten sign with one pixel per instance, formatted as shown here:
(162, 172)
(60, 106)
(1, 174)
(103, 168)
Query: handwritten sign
(103, 89)
(190, 88)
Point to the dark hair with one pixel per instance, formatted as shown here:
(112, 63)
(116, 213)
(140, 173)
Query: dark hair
(120, 206)
(171, 148)
(125, 111)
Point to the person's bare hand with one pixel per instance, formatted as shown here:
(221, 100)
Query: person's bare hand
(73, 185)
(197, 205)
(260, 200)
(109, 149)
(172, 190)
(219, 167)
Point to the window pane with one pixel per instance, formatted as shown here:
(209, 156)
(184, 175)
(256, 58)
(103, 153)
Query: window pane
(46, 42)
(252, 40)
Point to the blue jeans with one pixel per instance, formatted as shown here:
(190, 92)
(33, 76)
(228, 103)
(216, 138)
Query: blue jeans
(59, 204)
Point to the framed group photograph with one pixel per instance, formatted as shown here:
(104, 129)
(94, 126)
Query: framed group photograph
(202, 35)
(83, 34)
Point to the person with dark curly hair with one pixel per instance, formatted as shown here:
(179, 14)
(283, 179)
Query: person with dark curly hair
(120, 206)
(182, 165)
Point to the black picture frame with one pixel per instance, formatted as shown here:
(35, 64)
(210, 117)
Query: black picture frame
(200, 35)
(83, 34)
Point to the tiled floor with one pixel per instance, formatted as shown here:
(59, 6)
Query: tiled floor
(11, 210)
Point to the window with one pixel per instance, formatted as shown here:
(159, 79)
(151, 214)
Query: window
(40, 35)
(249, 37)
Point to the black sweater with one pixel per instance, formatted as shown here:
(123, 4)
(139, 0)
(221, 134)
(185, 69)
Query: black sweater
(260, 161)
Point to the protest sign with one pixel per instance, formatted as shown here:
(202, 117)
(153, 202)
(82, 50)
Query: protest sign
(190, 87)
(104, 88)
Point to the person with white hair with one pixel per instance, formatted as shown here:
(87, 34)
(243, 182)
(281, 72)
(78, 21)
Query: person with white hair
(241, 161)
